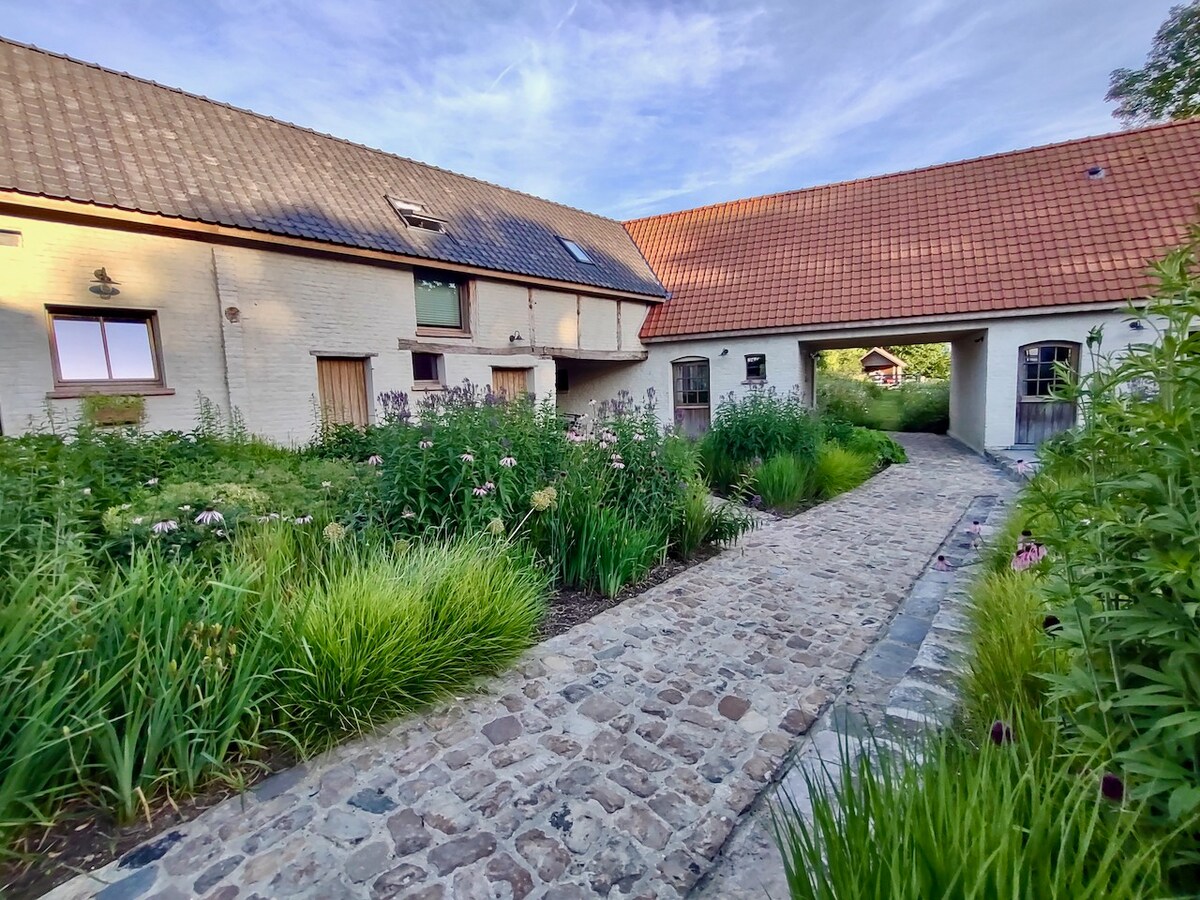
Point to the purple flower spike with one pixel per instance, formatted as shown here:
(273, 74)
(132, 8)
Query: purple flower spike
(1001, 733)
(1112, 787)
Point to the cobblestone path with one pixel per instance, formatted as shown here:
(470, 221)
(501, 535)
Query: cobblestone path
(616, 758)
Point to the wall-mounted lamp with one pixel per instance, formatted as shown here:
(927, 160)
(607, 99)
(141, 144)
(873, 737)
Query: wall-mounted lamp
(514, 337)
(103, 285)
(725, 352)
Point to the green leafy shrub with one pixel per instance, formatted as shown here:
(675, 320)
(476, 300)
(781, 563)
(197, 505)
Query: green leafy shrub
(839, 470)
(784, 481)
(381, 632)
(754, 427)
(1122, 499)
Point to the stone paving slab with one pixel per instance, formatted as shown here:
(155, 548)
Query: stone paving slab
(615, 759)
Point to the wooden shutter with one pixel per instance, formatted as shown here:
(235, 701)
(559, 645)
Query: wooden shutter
(342, 387)
(512, 383)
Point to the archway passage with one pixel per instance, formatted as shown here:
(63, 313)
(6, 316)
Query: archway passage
(951, 398)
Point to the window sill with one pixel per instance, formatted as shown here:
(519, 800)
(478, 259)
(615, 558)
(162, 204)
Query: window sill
(75, 392)
(428, 386)
(423, 331)
(754, 381)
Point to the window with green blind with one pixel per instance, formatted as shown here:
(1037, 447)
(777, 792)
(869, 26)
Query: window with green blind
(439, 300)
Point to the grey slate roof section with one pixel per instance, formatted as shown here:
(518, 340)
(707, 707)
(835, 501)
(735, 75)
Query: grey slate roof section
(75, 131)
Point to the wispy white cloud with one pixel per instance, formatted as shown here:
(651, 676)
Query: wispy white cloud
(629, 107)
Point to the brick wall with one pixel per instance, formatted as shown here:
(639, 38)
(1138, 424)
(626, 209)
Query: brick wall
(241, 325)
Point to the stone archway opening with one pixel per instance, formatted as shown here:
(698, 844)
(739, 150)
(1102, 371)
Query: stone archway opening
(902, 388)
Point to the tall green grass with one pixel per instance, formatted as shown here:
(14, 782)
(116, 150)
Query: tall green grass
(117, 685)
(381, 631)
(839, 470)
(956, 820)
(784, 481)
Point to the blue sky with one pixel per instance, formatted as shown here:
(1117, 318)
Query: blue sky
(631, 108)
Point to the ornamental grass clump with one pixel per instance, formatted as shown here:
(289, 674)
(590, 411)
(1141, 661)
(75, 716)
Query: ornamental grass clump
(378, 632)
(956, 818)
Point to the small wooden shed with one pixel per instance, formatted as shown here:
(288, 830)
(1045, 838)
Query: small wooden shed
(882, 367)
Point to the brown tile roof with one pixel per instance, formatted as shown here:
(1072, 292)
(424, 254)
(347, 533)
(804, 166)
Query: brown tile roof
(1012, 231)
(76, 131)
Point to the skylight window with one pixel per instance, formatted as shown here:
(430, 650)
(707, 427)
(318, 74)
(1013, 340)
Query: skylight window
(414, 216)
(577, 252)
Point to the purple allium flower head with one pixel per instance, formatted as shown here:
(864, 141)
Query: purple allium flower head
(1001, 733)
(756, 501)
(1112, 787)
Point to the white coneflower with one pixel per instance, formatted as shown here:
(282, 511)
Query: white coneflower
(508, 462)
(209, 517)
(480, 491)
(165, 527)
(138, 520)
(152, 482)
(408, 514)
(302, 520)
(425, 444)
(185, 508)
(468, 457)
(639, 437)
(87, 492)
(374, 460)
(326, 484)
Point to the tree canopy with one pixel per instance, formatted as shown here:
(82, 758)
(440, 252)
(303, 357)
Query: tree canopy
(1168, 85)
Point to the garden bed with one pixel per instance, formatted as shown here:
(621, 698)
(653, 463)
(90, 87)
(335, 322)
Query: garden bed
(86, 838)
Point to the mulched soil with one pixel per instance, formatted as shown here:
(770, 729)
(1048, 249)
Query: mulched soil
(568, 608)
(83, 839)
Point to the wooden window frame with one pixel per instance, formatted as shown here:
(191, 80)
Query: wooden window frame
(1053, 382)
(465, 288)
(681, 383)
(756, 379)
(65, 388)
(440, 366)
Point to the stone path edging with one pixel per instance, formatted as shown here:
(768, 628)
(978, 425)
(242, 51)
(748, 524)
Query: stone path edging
(617, 757)
(908, 681)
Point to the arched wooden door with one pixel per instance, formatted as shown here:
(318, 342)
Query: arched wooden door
(690, 384)
(1039, 375)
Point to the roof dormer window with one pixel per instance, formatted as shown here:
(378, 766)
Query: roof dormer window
(577, 252)
(413, 215)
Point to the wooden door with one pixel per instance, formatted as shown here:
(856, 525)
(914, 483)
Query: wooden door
(1039, 376)
(342, 390)
(690, 378)
(512, 384)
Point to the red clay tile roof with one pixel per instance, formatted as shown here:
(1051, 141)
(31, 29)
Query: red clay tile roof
(75, 131)
(1013, 231)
